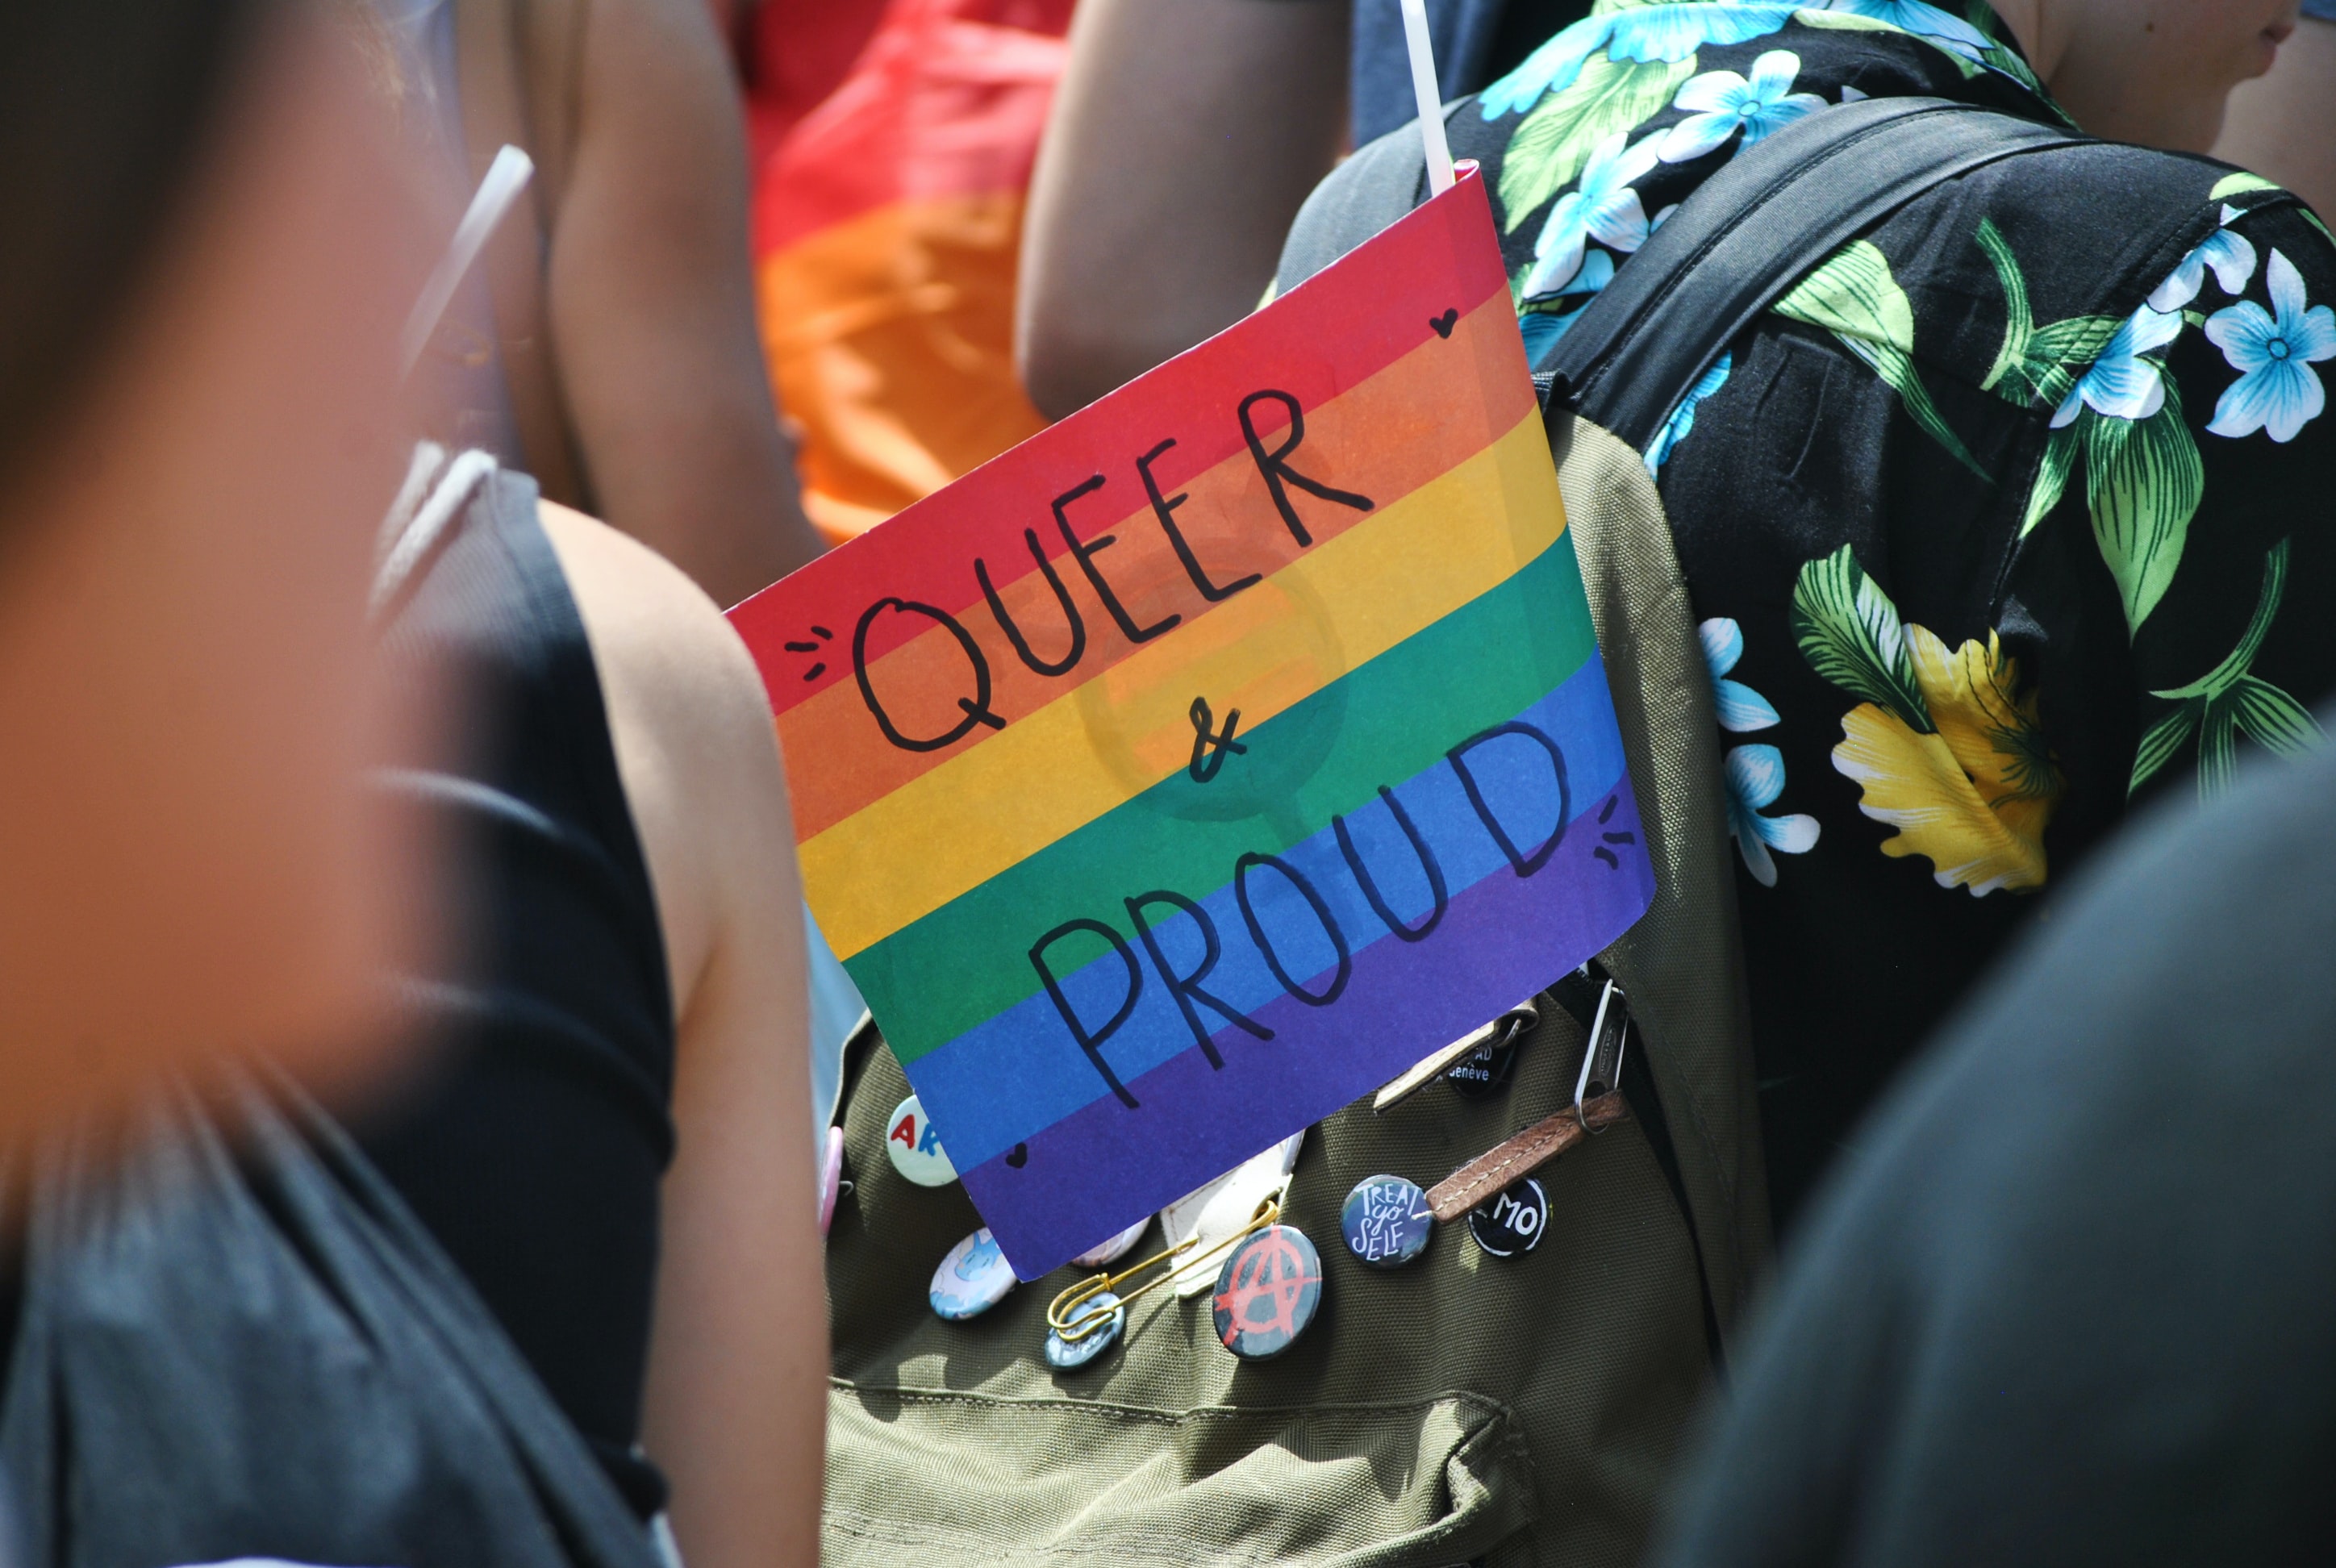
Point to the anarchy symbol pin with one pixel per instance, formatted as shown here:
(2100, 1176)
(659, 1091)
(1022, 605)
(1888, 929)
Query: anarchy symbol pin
(1268, 1292)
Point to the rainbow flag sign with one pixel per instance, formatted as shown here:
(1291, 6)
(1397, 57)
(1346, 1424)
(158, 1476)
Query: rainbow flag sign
(1203, 762)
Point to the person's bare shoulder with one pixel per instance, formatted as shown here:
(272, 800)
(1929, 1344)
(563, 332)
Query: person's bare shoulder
(694, 744)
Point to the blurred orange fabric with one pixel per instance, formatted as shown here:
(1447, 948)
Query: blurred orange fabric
(888, 223)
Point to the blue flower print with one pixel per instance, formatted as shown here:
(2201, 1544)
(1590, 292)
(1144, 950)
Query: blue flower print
(1756, 777)
(1756, 774)
(1949, 32)
(2231, 256)
(1674, 32)
(1723, 103)
(2122, 383)
(1668, 33)
(1741, 710)
(2273, 352)
(1541, 326)
(1552, 67)
(1674, 430)
(1602, 206)
(1595, 272)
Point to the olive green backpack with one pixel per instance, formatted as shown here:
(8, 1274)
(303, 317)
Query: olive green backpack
(1467, 1407)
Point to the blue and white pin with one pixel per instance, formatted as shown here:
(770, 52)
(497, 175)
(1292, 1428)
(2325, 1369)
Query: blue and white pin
(1096, 1326)
(972, 1279)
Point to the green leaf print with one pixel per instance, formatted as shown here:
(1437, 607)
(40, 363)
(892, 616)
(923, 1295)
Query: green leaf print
(2062, 352)
(1850, 633)
(1852, 22)
(2238, 184)
(1845, 22)
(2051, 477)
(1854, 297)
(2019, 318)
(2009, 61)
(2218, 750)
(2229, 700)
(2163, 739)
(2079, 340)
(2144, 480)
(2235, 664)
(1554, 142)
(2037, 365)
(2277, 721)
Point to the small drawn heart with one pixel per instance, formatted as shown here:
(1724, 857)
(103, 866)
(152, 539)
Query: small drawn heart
(1019, 1156)
(1445, 323)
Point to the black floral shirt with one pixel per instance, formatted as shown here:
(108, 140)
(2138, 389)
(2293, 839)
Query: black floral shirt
(2017, 510)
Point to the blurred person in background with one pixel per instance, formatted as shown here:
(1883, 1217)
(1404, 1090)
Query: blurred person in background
(2069, 1302)
(892, 146)
(2283, 127)
(610, 1137)
(609, 347)
(198, 422)
(1188, 134)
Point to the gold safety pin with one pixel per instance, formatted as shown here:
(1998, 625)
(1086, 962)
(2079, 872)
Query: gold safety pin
(1073, 1328)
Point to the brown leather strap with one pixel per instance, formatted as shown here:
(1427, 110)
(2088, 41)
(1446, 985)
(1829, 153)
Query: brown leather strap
(518, 64)
(1510, 1163)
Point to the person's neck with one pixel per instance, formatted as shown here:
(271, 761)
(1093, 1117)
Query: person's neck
(2099, 68)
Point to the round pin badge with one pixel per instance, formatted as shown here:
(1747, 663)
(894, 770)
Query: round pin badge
(1509, 1226)
(914, 1148)
(974, 1278)
(1070, 1355)
(1108, 1253)
(830, 1177)
(1486, 1071)
(1268, 1292)
(1387, 1222)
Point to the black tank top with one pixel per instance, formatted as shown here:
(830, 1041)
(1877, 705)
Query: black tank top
(535, 1139)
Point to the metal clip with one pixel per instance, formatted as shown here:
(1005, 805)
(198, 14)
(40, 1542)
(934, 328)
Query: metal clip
(1491, 1035)
(1062, 1314)
(1601, 1058)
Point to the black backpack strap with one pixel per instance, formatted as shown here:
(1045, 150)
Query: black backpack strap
(1751, 231)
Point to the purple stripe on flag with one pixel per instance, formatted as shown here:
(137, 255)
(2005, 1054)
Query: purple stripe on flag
(1082, 1179)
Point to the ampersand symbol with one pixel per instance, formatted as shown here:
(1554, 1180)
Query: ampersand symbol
(1209, 748)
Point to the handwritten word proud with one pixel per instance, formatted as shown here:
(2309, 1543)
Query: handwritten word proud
(1188, 989)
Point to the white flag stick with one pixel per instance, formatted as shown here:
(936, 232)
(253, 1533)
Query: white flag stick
(1430, 97)
(507, 176)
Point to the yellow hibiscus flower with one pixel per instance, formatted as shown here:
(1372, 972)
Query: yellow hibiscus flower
(1942, 750)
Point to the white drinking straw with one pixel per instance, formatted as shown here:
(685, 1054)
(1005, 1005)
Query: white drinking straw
(507, 176)
(1430, 98)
